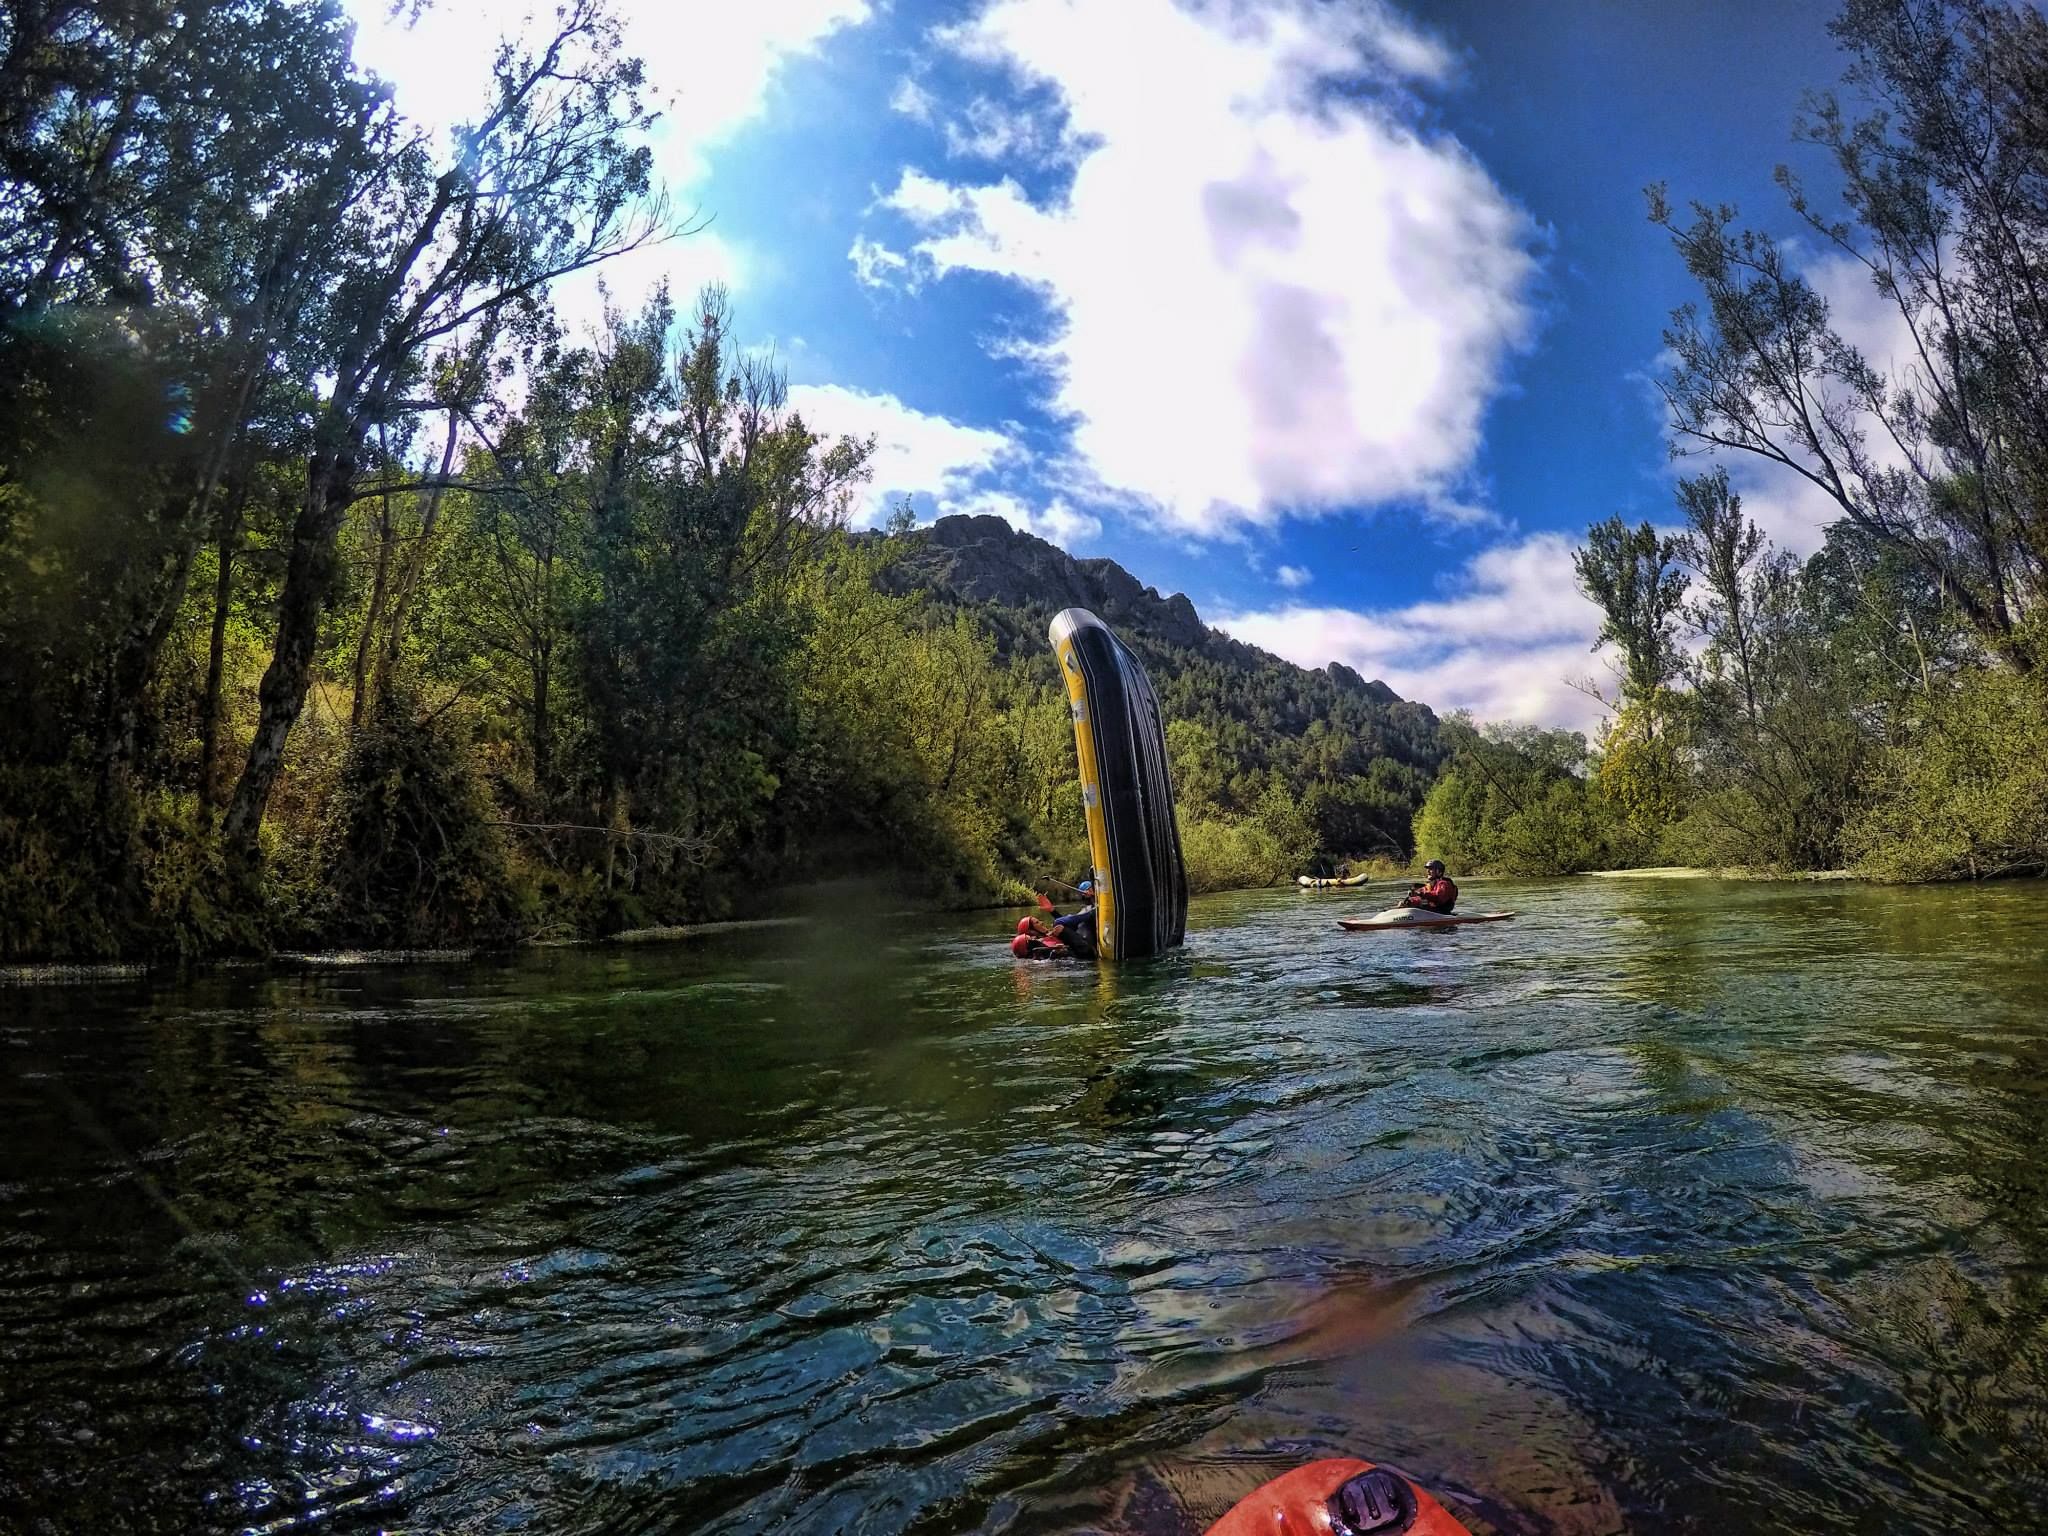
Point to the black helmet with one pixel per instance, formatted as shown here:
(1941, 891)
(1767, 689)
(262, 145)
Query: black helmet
(1434, 864)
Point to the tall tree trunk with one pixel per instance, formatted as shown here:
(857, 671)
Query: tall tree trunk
(367, 642)
(227, 544)
(308, 578)
(543, 727)
(410, 570)
(142, 643)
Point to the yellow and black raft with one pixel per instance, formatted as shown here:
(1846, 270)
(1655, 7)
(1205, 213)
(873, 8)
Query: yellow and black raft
(1141, 883)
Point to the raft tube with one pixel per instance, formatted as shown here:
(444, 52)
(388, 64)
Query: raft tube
(1417, 917)
(1343, 1496)
(1329, 882)
(1141, 883)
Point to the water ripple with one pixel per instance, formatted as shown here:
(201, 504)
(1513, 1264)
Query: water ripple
(1682, 1206)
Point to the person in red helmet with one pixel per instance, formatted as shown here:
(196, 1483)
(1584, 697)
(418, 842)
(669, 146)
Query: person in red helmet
(1028, 946)
(1438, 893)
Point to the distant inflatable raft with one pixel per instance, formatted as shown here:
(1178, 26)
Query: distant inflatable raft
(1141, 884)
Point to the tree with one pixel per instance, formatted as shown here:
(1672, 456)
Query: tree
(1512, 800)
(1945, 457)
(699, 521)
(1771, 726)
(1628, 572)
(172, 175)
(546, 183)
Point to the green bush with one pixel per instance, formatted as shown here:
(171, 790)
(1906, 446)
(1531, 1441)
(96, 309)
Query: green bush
(1233, 855)
(54, 902)
(1554, 828)
(1968, 796)
(409, 856)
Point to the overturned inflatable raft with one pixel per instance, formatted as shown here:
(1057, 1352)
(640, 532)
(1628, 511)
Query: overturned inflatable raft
(1141, 883)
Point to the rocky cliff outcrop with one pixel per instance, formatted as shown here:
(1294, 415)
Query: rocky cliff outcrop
(979, 560)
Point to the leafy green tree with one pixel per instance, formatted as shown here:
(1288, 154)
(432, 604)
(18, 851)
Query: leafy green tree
(699, 525)
(1966, 795)
(1630, 573)
(1941, 457)
(435, 251)
(172, 173)
(1642, 777)
(1771, 723)
(1513, 800)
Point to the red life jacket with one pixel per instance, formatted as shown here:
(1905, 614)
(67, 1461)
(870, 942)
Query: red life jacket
(1438, 895)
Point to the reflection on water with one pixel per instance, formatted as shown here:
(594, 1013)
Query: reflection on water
(1671, 1206)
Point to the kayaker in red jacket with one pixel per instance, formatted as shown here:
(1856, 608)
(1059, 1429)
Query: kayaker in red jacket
(1439, 893)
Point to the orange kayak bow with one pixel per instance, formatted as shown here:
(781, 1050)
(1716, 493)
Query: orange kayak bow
(1339, 1497)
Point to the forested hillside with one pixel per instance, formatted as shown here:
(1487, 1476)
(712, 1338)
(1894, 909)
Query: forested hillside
(1323, 763)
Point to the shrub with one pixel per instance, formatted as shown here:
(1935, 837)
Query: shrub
(1968, 796)
(409, 856)
(1232, 855)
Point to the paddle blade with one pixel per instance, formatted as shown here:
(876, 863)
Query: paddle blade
(1044, 901)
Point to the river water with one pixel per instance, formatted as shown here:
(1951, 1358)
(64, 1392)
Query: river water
(1670, 1206)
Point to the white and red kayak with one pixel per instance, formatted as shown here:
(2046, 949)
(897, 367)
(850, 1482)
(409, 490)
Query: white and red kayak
(1417, 917)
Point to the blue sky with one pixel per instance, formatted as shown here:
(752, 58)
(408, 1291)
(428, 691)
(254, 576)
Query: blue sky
(1337, 316)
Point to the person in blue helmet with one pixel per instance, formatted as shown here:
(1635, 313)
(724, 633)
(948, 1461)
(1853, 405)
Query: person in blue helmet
(1076, 930)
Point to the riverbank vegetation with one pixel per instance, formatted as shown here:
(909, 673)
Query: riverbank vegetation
(1884, 702)
(349, 594)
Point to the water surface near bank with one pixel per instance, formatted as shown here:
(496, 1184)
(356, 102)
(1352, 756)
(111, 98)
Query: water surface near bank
(1674, 1205)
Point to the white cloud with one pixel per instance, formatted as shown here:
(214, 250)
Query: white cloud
(1293, 577)
(709, 67)
(924, 198)
(916, 454)
(989, 130)
(1269, 298)
(1506, 643)
(876, 266)
(912, 100)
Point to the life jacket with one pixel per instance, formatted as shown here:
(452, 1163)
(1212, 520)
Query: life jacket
(1439, 895)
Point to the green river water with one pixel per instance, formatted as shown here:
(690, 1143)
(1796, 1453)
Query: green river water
(1671, 1206)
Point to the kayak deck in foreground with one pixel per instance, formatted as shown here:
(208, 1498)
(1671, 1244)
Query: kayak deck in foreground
(1417, 917)
(1344, 1496)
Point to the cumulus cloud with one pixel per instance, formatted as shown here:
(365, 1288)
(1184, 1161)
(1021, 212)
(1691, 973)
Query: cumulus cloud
(991, 130)
(1268, 296)
(1506, 640)
(709, 68)
(916, 453)
(912, 100)
(1293, 577)
(876, 266)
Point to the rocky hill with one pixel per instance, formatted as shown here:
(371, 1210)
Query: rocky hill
(980, 561)
(1353, 751)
